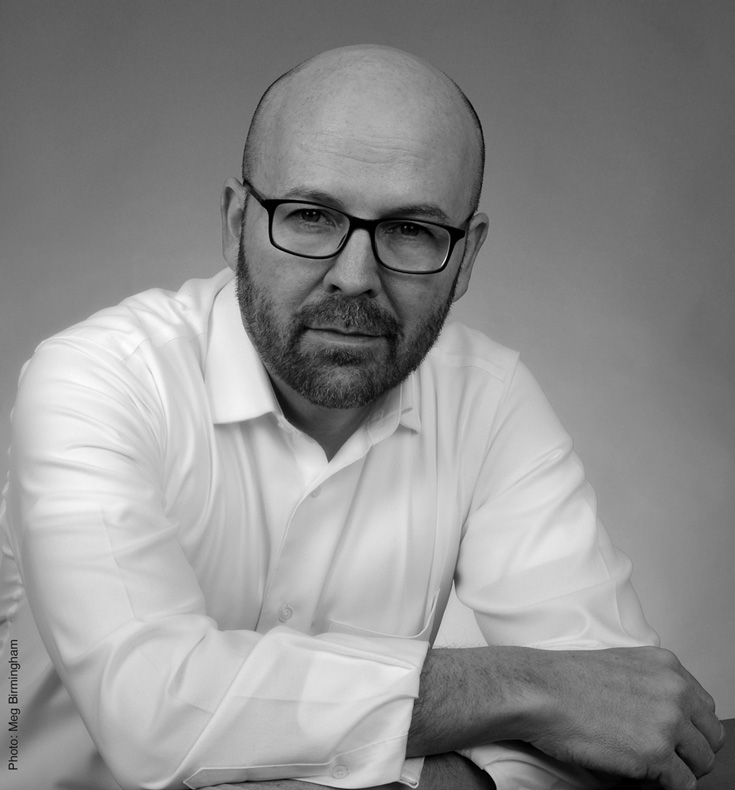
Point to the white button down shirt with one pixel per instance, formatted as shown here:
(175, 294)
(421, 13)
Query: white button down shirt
(195, 595)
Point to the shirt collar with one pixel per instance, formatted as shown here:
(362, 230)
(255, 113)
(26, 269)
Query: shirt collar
(239, 388)
(396, 408)
(237, 383)
(409, 412)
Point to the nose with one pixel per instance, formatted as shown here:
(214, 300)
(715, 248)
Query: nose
(354, 271)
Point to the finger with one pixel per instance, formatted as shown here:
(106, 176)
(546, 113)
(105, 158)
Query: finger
(711, 728)
(676, 776)
(694, 749)
(704, 697)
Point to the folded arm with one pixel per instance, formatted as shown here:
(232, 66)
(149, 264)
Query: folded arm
(143, 658)
(539, 570)
(632, 712)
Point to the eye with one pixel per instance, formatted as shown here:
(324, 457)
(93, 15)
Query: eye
(309, 216)
(404, 231)
(410, 230)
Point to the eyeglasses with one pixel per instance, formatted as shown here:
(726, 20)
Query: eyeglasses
(311, 230)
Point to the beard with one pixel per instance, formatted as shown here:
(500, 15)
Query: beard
(331, 377)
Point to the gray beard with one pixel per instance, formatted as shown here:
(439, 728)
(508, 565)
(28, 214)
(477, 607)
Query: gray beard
(335, 378)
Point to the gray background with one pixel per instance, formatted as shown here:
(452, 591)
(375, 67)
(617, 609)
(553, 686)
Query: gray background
(610, 187)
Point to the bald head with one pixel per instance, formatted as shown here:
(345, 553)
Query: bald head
(378, 100)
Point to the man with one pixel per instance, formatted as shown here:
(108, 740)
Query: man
(235, 513)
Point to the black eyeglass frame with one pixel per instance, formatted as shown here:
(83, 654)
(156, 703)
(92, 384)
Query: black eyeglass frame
(271, 204)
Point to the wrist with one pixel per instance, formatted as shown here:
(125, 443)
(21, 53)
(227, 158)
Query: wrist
(472, 696)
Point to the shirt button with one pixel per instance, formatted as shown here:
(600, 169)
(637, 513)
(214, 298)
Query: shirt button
(286, 613)
(315, 493)
(340, 771)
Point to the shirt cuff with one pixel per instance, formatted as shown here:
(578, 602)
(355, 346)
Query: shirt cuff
(514, 765)
(411, 773)
(344, 706)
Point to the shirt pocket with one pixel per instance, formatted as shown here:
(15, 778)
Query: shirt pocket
(422, 635)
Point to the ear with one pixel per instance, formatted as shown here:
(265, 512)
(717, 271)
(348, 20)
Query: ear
(476, 234)
(232, 203)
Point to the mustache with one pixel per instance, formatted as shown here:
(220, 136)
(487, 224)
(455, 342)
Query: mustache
(360, 314)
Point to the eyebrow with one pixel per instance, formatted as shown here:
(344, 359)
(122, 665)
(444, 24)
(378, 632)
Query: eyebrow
(428, 211)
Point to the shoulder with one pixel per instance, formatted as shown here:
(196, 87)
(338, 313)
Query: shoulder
(154, 317)
(142, 326)
(148, 338)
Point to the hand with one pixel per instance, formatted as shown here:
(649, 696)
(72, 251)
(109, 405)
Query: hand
(633, 712)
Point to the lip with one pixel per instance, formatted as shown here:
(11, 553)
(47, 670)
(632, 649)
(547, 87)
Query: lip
(339, 330)
(342, 335)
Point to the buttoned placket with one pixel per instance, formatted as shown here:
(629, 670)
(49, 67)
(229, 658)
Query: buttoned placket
(292, 596)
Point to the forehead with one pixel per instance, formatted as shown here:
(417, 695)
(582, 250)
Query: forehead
(372, 146)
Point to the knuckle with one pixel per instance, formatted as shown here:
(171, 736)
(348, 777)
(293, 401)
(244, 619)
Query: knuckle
(672, 719)
(674, 694)
(637, 766)
(668, 659)
(651, 652)
(678, 687)
(653, 755)
(666, 711)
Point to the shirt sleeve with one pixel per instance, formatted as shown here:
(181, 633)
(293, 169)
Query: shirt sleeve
(169, 699)
(537, 566)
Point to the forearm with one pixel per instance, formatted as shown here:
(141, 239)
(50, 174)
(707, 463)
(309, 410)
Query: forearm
(467, 697)
(633, 712)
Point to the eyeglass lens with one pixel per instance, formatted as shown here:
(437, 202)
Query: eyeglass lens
(318, 231)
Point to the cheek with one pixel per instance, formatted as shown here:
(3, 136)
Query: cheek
(418, 299)
(283, 280)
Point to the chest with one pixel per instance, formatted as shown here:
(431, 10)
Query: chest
(278, 536)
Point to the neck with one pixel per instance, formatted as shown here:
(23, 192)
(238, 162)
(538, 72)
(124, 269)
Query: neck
(331, 428)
